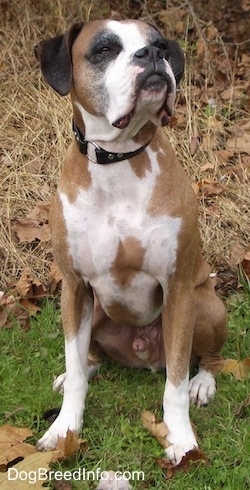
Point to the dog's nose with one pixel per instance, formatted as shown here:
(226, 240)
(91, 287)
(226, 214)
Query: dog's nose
(148, 54)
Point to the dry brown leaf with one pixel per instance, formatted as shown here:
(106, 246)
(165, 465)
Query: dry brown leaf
(224, 156)
(11, 309)
(237, 254)
(239, 143)
(211, 32)
(35, 226)
(30, 465)
(157, 429)
(240, 369)
(210, 187)
(66, 446)
(28, 286)
(232, 93)
(186, 464)
(240, 255)
(12, 445)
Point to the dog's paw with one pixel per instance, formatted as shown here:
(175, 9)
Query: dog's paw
(58, 383)
(175, 452)
(181, 440)
(58, 429)
(202, 388)
(48, 441)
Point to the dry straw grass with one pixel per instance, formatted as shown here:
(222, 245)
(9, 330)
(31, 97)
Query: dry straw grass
(36, 128)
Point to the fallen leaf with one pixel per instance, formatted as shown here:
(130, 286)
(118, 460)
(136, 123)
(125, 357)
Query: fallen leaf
(240, 369)
(157, 429)
(35, 226)
(186, 464)
(226, 281)
(12, 309)
(237, 254)
(240, 255)
(66, 446)
(232, 93)
(207, 187)
(224, 156)
(12, 446)
(239, 143)
(29, 287)
(211, 32)
(32, 466)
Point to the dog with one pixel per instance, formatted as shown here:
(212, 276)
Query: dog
(124, 225)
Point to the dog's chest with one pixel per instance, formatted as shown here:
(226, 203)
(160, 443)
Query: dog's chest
(116, 245)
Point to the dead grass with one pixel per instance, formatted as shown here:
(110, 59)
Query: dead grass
(36, 127)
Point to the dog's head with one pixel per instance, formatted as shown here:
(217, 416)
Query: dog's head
(123, 71)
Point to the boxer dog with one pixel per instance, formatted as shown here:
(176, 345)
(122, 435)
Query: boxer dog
(124, 225)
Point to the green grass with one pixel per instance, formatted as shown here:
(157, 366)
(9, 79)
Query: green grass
(113, 429)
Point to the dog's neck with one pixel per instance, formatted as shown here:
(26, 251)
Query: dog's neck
(98, 129)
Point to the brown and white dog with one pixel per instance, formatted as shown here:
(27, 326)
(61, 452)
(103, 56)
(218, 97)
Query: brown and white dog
(124, 225)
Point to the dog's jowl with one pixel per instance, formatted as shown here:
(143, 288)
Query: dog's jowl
(124, 225)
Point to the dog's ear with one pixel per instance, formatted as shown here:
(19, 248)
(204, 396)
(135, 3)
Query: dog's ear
(54, 56)
(176, 59)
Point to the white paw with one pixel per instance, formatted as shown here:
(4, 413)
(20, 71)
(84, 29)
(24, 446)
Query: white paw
(175, 452)
(112, 481)
(58, 429)
(202, 388)
(58, 383)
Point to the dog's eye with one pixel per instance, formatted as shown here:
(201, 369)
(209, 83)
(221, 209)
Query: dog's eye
(104, 49)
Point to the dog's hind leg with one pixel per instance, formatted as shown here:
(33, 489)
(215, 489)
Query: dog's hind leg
(209, 335)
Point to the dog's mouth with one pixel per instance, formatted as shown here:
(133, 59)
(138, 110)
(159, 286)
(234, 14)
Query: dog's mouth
(150, 88)
(163, 115)
(123, 121)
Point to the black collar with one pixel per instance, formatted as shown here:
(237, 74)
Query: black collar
(102, 156)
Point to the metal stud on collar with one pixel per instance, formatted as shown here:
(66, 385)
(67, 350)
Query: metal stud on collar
(101, 155)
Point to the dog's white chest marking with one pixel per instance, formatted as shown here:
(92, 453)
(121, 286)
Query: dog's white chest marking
(108, 225)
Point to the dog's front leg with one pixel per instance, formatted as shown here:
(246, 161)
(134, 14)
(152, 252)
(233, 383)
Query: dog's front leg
(77, 308)
(178, 325)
